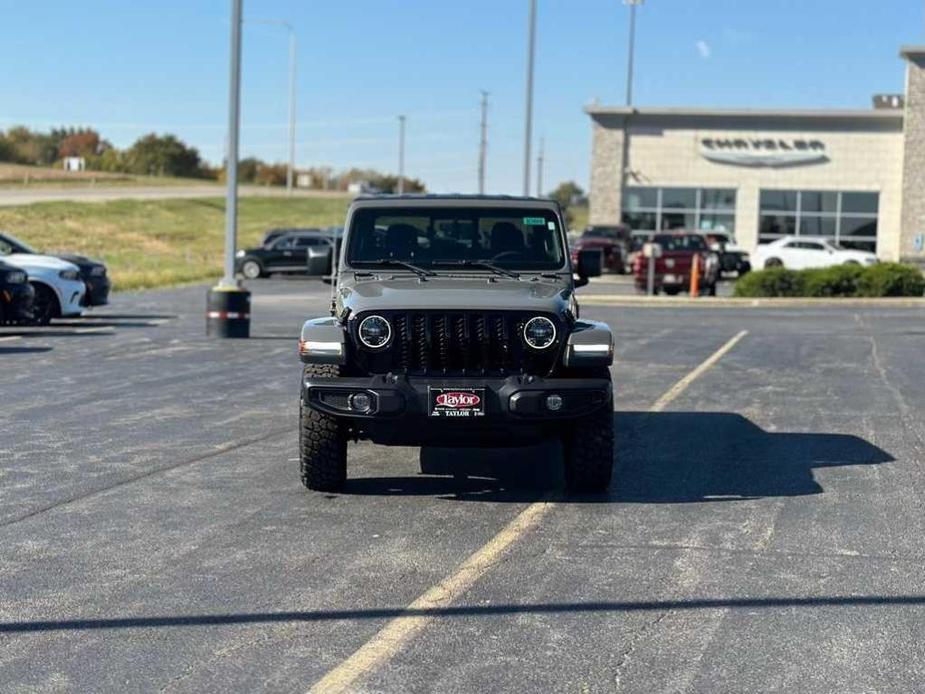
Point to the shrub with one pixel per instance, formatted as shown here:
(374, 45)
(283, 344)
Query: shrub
(885, 279)
(891, 279)
(774, 282)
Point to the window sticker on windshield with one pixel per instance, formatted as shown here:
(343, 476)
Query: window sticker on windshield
(551, 226)
(534, 221)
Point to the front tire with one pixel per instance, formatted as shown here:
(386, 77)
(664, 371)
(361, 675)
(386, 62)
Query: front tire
(322, 442)
(251, 269)
(46, 305)
(773, 262)
(589, 453)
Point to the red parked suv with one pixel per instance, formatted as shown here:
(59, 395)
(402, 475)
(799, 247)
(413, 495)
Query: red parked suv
(611, 240)
(673, 268)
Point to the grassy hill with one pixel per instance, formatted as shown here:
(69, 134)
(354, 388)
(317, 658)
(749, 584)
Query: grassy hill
(157, 243)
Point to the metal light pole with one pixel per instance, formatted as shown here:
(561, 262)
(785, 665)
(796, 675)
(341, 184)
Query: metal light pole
(631, 49)
(528, 121)
(401, 154)
(228, 304)
(631, 52)
(540, 162)
(483, 142)
(290, 168)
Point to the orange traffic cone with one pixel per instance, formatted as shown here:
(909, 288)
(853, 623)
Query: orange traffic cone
(695, 276)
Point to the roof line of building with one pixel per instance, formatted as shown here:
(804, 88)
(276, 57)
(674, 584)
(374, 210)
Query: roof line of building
(872, 114)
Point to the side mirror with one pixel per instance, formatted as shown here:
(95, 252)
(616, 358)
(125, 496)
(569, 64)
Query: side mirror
(590, 262)
(318, 261)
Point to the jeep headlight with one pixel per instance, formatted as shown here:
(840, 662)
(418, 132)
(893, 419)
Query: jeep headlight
(375, 332)
(72, 275)
(539, 332)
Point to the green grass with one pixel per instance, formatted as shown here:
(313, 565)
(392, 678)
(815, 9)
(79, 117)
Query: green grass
(157, 243)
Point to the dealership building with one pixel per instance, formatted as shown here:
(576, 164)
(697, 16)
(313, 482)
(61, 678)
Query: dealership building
(855, 176)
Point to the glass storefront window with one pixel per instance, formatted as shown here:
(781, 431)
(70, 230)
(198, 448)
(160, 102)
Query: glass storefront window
(639, 198)
(846, 217)
(865, 203)
(714, 221)
(641, 221)
(718, 199)
(778, 200)
(679, 198)
(650, 209)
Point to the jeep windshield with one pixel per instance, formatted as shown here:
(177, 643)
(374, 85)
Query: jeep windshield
(503, 241)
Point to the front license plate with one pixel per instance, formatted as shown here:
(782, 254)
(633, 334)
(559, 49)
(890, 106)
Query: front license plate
(669, 279)
(457, 402)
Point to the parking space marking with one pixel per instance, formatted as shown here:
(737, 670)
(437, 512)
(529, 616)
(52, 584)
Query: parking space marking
(390, 640)
(10, 338)
(682, 385)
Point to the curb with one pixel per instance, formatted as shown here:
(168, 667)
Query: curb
(728, 302)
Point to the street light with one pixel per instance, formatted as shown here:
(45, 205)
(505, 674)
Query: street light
(528, 120)
(290, 168)
(631, 50)
(228, 304)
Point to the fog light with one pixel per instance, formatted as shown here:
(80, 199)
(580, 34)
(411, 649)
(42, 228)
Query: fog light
(554, 402)
(360, 402)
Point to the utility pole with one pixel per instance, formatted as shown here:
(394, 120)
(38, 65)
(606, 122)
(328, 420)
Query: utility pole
(528, 121)
(630, 58)
(483, 142)
(234, 122)
(228, 305)
(401, 154)
(540, 163)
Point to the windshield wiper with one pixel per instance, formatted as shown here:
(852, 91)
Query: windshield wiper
(419, 271)
(487, 264)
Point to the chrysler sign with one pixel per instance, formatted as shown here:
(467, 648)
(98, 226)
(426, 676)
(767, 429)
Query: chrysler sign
(763, 151)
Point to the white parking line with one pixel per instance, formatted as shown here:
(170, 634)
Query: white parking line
(390, 640)
(10, 338)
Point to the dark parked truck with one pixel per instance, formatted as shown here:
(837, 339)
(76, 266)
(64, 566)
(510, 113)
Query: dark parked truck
(455, 323)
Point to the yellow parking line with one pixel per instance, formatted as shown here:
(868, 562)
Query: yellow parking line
(390, 640)
(682, 385)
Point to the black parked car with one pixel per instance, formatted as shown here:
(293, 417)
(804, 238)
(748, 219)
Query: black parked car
(93, 273)
(16, 295)
(274, 234)
(293, 252)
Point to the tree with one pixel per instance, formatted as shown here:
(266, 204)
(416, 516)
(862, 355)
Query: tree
(82, 143)
(248, 168)
(569, 195)
(163, 155)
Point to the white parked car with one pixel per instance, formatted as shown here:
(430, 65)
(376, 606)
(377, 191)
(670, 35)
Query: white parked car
(58, 287)
(802, 252)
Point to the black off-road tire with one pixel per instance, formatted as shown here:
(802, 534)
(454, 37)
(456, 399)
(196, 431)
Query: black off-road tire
(588, 449)
(322, 442)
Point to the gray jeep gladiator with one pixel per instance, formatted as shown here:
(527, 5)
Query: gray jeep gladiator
(454, 322)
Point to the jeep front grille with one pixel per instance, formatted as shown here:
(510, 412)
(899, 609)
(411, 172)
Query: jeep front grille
(459, 343)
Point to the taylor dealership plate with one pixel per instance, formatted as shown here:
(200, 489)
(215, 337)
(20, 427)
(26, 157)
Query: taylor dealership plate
(456, 402)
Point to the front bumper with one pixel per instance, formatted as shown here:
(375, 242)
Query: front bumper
(17, 301)
(400, 405)
(98, 289)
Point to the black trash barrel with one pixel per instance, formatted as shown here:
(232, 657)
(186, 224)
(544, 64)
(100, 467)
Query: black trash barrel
(228, 312)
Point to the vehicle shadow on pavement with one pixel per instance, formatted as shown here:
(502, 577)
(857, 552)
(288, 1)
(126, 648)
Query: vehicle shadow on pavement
(678, 457)
(474, 474)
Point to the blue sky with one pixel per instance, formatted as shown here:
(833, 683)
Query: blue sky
(129, 68)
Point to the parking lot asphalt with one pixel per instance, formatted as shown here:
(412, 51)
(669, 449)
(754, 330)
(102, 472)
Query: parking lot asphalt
(765, 530)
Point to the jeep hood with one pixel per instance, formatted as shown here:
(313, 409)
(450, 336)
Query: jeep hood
(454, 294)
